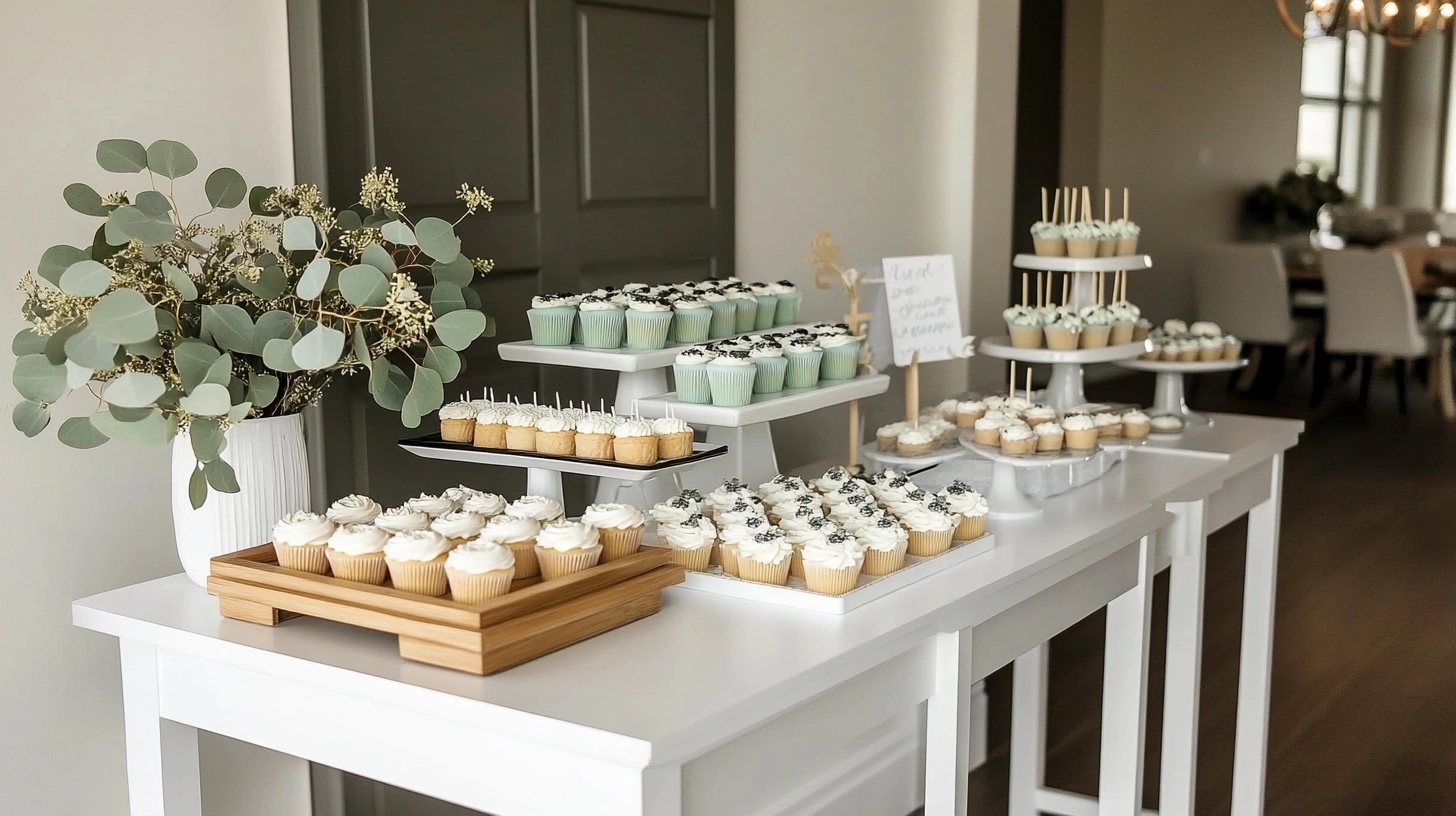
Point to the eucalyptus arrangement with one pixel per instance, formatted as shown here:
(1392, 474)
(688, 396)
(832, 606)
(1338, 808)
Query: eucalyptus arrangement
(173, 325)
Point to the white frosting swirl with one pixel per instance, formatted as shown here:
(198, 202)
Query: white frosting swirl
(670, 425)
(634, 428)
(564, 536)
(416, 545)
(880, 536)
(969, 504)
(510, 529)
(555, 423)
(833, 556)
(358, 539)
(692, 533)
(402, 519)
(432, 506)
(1078, 422)
(484, 504)
(596, 424)
(480, 556)
(672, 511)
(925, 520)
(766, 548)
(539, 508)
(458, 410)
(353, 509)
(458, 524)
(610, 515)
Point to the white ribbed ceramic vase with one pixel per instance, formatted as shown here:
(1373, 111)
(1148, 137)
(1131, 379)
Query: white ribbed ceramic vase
(271, 463)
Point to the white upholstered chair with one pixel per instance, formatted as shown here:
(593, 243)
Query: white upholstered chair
(1370, 311)
(1245, 290)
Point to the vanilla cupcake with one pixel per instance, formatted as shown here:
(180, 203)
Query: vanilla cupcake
(542, 509)
(673, 510)
(1080, 432)
(1025, 325)
(915, 442)
(884, 544)
(459, 526)
(356, 553)
(521, 429)
(635, 443)
(987, 429)
(490, 427)
(1109, 425)
(485, 505)
(416, 560)
(690, 541)
(353, 509)
(1017, 439)
(930, 532)
(402, 519)
(1037, 414)
(518, 534)
(619, 528)
(1136, 425)
(431, 505)
(674, 438)
(1231, 347)
(594, 436)
(765, 558)
(299, 539)
(567, 547)
(1210, 349)
(832, 565)
(801, 537)
(1049, 436)
(555, 434)
(1167, 424)
(479, 571)
(970, 508)
(968, 411)
(457, 422)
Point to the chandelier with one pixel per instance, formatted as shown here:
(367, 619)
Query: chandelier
(1399, 23)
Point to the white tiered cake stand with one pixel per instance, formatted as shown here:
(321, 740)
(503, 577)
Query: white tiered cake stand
(1005, 498)
(1168, 397)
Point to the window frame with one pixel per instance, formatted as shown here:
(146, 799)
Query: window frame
(1366, 156)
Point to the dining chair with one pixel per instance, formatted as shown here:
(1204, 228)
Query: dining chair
(1244, 288)
(1371, 312)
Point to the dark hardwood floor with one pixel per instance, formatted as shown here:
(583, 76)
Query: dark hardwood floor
(1363, 715)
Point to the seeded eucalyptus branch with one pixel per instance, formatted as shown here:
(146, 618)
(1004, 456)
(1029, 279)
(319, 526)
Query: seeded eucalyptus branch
(171, 325)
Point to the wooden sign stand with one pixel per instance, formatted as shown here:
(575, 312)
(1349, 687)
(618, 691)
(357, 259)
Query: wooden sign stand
(829, 268)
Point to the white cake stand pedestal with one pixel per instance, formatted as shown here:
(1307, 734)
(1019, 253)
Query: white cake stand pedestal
(1168, 396)
(1064, 391)
(1005, 498)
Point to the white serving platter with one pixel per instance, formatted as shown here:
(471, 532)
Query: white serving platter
(1062, 457)
(895, 460)
(1171, 367)
(578, 356)
(766, 407)
(1060, 263)
(1001, 348)
(869, 589)
(432, 447)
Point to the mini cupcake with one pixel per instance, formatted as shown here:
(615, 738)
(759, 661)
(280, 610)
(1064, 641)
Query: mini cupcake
(634, 443)
(745, 307)
(1167, 424)
(730, 378)
(884, 544)
(431, 505)
(673, 510)
(831, 566)
(770, 366)
(416, 561)
(803, 536)
(971, 509)
(619, 528)
(459, 526)
(1037, 414)
(1063, 330)
(402, 519)
(457, 422)
(1108, 424)
(724, 322)
(674, 438)
(915, 442)
(765, 558)
(1080, 432)
(1210, 349)
(353, 509)
(786, 313)
(356, 553)
(299, 540)
(1047, 240)
(603, 323)
(556, 434)
(551, 318)
(1106, 239)
(485, 505)
(1127, 236)
(1096, 326)
(690, 541)
(888, 436)
(567, 547)
(1141, 329)
(805, 361)
(1049, 436)
(1136, 425)
(1124, 322)
(1232, 346)
(517, 534)
(987, 429)
(691, 319)
(690, 373)
(1018, 439)
(968, 411)
(930, 532)
(594, 437)
(841, 357)
(521, 430)
(768, 305)
(1081, 241)
(479, 571)
(490, 427)
(648, 319)
(537, 508)
(1025, 325)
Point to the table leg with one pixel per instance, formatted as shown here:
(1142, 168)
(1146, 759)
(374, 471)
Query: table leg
(1028, 730)
(1185, 660)
(948, 727)
(662, 790)
(1257, 650)
(161, 756)
(1125, 692)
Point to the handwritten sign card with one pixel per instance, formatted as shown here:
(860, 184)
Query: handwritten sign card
(925, 315)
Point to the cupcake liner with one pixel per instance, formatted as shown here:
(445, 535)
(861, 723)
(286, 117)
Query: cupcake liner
(803, 370)
(552, 327)
(1106, 247)
(968, 419)
(635, 450)
(490, 436)
(1139, 332)
(768, 308)
(728, 556)
(675, 445)
(1121, 334)
(731, 385)
(525, 552)
(617, 542)
(458, 430)
(1231, 351)
(1082, 247)
(1049, 443)
(1025, 337)
(308, 558)
(478, 587)
(930, 542)
(419, 577)
(692, 383)
(724, 321)
(594, 446)
(1060, 339)
(787, 311)
(557, 564)
(647, 330)
(760, 573)
(692, 325)
(1080, 440)
(695, 560)
(604, 329)
(1127, 246)
(366, 569)
(556, 443)
(1016, 447)
(796, 562)
(884, 563)
(745, 314)
(830, 581)
(986, 436)
(840, 362)
(770, 376)
(970, 528)
(1095, 336)
(1136, 430)
(1049, 247)
(520, 438)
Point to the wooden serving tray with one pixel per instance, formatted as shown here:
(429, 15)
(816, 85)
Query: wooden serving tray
(535, 618)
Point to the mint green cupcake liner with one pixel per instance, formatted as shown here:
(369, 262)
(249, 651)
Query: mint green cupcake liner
(768, 306)
(840, 362)
(647, 330)
(746, 312)
(692, 383)
(803, 369)
(731, 385)
(724, 322)
(692, 325)
(553, 326)
(605, 329)
(770, 377)
(787, 313)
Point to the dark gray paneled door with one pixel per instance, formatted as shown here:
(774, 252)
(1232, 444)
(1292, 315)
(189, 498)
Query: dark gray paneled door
(604, 131)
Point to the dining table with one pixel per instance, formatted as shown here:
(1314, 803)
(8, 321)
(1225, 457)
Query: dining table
(1430, 268)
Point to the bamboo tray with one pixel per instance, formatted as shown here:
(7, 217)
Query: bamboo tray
(534, 619)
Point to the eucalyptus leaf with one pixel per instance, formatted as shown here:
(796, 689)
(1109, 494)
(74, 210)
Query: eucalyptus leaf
(273, 325)
(472, 301)
(55, 261)
(178, 279)
(134, 390)
(150, 429)
(311, 282)
(446, 298)
(237, 394)
(425, 396)
(55, 348)
(319, 349)
(171, 159)
(79, 433)
(437, 238)
(363, 285)
(229, 326)
(77, 376)
(489, 326)
(262, 389)
(445, 362)
(379, 258)
(131, 223)
(208, 399)
(86, 278)
(124, 316)
(278, 355)
(27, 342)
(193, 358)
(207, 438)
(388, 384)
(101, 249)
(360, 344)
(256, 197)
(36, 378)
(271, 282)
(147, 349)
(225, 188)
(299, 233)
(395, 232)
(348, 220)
(30, 418)
(84, 200)
(121, 156)
(459, 329)
(239, 412)
(220, 372)
(459, 271)
(154, 204)
(220, 476)
(197, 488)
(87, 348)
(121, 414)
(166, 322)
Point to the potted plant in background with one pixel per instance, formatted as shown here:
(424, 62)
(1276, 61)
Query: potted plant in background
(213, 338)
(1287, 211)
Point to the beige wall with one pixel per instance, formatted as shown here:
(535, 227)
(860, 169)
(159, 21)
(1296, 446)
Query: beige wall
(866, 118)
(1192, 109)
(214, 75)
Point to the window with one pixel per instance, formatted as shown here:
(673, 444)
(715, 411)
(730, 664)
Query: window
(1339, 120)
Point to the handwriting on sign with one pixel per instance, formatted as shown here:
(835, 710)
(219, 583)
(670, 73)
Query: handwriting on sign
(924, 311)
